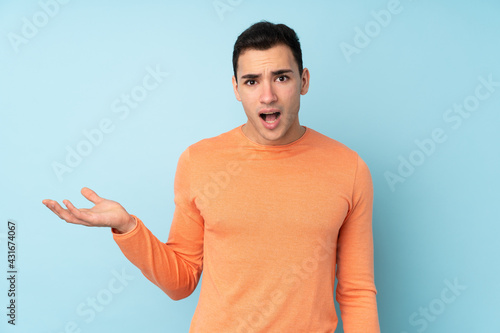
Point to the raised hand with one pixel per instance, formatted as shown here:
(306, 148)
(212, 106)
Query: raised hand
(105, 213)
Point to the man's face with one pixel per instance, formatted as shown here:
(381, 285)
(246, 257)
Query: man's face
(269, 87)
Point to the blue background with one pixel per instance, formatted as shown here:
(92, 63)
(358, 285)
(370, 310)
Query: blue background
(438, 225)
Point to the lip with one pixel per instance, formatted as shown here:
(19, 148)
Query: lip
(273, 125)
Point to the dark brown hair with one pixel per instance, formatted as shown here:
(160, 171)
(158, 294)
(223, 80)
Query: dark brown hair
(264, 35)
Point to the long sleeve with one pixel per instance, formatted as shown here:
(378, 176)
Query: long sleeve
(174, 266)
(355, 268)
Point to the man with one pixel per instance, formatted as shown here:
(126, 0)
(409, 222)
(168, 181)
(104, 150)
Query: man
(267, 211)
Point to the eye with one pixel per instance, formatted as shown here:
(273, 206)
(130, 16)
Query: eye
(250, 82)
(282, 78)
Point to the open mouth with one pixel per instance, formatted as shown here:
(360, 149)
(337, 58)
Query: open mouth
(270, 117)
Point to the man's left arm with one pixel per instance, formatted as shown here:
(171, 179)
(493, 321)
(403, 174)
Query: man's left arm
(356, 292)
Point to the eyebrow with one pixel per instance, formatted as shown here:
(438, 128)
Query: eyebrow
(278, 72)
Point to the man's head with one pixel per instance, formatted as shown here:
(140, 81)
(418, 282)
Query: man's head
(268, 81)
(264, 35)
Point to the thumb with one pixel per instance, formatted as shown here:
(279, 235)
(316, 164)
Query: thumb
(91, 195)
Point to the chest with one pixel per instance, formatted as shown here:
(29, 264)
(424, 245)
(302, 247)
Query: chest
(283, 198)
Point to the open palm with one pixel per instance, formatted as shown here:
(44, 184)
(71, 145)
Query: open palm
(105, 213)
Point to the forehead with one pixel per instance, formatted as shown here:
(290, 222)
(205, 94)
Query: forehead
(257, 61)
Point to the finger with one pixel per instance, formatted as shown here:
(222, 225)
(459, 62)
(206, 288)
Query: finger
(62, 213)
(80, 214)
(48, 203)
(51, 204)
(91, 195)
(66, 214)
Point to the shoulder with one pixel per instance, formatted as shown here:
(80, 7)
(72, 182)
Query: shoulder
(209, 147)
(333, 153)
(330, 147)
(347, 162)
(217, 142)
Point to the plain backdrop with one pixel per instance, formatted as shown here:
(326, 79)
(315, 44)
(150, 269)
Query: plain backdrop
(412, 86)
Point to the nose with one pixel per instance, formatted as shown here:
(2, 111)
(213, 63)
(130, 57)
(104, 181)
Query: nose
(267, 94)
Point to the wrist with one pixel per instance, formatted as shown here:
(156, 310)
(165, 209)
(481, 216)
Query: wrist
(127, 227)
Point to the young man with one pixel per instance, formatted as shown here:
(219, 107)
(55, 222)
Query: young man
(267, 211)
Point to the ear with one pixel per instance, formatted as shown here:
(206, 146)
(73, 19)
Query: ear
(304, 88)
(235, 88)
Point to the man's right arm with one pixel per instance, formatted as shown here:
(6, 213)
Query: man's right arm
(174, 266)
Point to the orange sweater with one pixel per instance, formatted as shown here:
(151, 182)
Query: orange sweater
(267, 225)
